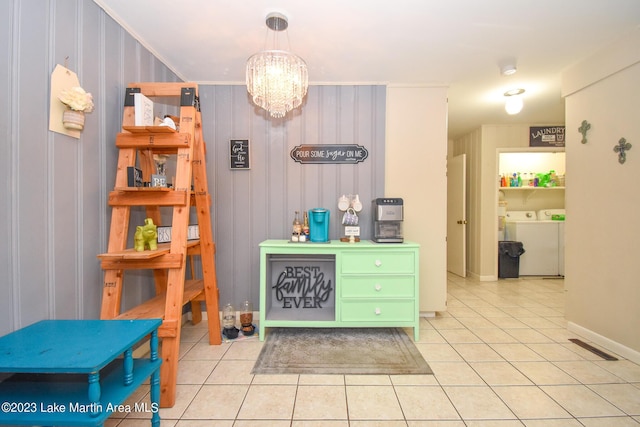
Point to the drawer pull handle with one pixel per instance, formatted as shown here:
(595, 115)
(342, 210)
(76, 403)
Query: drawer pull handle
(378, 311)
(378, 287)
(378, 263)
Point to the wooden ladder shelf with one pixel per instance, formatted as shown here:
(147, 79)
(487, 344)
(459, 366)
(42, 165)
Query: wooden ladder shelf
(169, 261)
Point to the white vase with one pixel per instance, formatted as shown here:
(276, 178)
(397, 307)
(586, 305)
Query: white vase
(72, 119)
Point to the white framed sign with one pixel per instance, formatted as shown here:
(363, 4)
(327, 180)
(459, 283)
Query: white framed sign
(164, 233)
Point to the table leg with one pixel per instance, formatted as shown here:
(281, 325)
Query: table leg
(94, 394)
(154, 345)
(155, 382)
(155, 398)
(128, 367)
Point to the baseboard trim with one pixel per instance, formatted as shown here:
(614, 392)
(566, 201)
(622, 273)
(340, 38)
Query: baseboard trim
(478, 277)
(609, 344)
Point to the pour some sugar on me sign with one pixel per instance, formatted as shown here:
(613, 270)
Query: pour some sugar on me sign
(329, 153)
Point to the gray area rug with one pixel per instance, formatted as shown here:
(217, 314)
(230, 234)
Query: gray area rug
(382, 351)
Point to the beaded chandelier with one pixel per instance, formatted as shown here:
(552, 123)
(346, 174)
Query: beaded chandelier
(277, 80)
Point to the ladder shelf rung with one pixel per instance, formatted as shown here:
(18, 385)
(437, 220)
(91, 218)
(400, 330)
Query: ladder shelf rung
(154, 307)
(148, 196)
(168, 89)
(141, 140)
(149, 129)
(129, 258)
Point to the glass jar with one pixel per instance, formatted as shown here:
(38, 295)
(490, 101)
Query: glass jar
(246, 318)
(228, 317)
(229, 322)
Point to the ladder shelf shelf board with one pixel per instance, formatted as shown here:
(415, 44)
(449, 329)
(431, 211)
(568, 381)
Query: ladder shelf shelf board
(136, 146)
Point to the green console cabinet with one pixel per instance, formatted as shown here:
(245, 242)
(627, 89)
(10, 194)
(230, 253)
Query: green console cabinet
(338, 284)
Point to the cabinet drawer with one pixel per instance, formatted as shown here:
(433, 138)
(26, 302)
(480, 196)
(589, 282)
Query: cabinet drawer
(359, 310)
(375, 286)
(378, 262)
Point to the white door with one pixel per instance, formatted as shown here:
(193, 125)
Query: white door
(456, 216)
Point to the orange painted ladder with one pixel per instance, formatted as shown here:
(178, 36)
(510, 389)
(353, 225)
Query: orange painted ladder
(169, 261)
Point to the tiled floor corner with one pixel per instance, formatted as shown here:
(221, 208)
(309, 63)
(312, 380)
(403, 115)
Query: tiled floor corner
(500, 356)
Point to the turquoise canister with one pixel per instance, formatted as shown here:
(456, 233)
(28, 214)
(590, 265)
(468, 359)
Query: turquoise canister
(319, 225)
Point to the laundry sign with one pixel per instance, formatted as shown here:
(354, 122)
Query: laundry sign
(546, 136)
(329, 153)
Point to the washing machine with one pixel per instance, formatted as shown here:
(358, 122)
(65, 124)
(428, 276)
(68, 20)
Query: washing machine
(540, 242)
(560, 215)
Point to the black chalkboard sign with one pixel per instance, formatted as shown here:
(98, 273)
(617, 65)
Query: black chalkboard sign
(329, 153)
(239, 153)
(546, 136)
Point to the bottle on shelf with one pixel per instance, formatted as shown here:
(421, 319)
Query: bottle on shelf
(305, 225)
(297, 228)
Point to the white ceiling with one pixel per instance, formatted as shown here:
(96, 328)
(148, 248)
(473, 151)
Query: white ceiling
(456, 43)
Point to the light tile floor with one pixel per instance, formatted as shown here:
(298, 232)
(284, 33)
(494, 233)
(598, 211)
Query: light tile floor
(500, 356)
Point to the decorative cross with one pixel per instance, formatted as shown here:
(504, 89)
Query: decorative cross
(584, 127)
(622, 147)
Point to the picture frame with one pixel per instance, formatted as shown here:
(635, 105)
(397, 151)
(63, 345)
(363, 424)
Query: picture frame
(239, 155)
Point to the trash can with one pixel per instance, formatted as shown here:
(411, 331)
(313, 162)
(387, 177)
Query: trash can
(509, 259)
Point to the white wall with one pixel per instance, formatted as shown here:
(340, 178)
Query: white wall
(415, 169)
(603, 198)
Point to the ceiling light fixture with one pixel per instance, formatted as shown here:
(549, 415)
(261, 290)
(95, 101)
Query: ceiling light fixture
(513, 103)
(277, 79)
(508, 69)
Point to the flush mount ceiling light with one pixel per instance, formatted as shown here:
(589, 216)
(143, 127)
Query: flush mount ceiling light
(508, 69)
(277, 80)
(513, 103)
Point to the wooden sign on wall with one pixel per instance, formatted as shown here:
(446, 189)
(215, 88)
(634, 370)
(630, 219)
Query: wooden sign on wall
(329, 153)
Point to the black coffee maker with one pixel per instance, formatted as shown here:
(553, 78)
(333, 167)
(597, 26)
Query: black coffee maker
(388, 214)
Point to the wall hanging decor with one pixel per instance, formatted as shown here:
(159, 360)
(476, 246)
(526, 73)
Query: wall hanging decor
(622, 148)
(68, 103)
(583, 129)
(239, 154)
(329, 153)
(546, 136)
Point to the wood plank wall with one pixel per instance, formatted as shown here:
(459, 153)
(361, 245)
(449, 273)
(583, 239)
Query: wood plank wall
(53, 212)
(259, 203)
(54, 217)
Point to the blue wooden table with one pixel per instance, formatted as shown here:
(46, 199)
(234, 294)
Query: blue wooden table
(77, 372)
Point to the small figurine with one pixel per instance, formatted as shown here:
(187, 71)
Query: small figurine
(146, 236)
